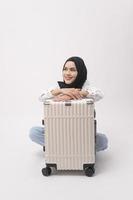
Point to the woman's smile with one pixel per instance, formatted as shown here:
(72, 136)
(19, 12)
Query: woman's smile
(68, 78)
(69, 72)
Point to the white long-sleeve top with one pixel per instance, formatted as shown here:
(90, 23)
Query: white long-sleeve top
(93, 92)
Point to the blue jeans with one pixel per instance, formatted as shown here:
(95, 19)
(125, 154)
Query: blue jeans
(37, 135)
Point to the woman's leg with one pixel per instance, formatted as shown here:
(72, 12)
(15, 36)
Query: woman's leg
(101, 142)
(37, 135)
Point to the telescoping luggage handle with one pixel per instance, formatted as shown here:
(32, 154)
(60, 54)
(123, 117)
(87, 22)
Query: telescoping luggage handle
(69, 102)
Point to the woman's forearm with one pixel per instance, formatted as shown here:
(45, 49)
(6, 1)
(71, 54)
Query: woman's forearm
(84, 93)
(59, 91)
(56, 92)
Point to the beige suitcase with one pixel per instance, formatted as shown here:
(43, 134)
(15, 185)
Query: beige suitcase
(70, 131)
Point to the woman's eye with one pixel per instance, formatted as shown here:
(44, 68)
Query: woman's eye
(73, 70)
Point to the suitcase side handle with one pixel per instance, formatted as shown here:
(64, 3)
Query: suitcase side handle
(68, 103)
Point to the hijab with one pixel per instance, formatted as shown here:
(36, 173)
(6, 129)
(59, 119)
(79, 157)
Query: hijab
(81, 76)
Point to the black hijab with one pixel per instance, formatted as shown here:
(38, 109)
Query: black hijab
(81, 76)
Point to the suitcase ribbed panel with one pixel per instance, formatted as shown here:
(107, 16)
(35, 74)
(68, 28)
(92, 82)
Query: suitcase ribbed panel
(69, 134)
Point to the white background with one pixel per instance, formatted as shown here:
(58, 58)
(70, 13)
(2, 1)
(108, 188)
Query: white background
(36, 37)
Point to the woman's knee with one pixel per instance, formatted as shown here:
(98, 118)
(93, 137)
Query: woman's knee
(36, 134)
(101, 142)
(36, 131)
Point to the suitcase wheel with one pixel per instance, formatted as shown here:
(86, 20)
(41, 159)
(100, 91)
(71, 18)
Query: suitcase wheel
(46, 171)
(89, 171)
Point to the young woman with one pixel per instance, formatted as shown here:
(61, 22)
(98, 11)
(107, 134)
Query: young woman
(74, 86)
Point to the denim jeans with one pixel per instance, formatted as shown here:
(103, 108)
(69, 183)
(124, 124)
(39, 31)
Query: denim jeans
(37, 135)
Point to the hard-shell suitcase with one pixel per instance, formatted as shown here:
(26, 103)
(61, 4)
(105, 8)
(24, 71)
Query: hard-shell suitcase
(70, 131)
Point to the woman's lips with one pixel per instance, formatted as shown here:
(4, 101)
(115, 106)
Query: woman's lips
(68, 78)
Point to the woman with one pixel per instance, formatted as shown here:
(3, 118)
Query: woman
(74, 86)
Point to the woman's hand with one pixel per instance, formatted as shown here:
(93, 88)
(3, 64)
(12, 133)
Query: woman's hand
(62, 97)
(69, 94)
(72, 92)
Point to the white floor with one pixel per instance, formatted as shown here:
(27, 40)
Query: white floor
(21, 162)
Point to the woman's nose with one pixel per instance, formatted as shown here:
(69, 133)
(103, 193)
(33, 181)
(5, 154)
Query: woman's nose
(68, 72)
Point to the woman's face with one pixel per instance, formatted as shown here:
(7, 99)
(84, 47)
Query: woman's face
(69, 72)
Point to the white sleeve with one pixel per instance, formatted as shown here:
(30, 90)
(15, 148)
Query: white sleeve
(47, 93)
(93, 92)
